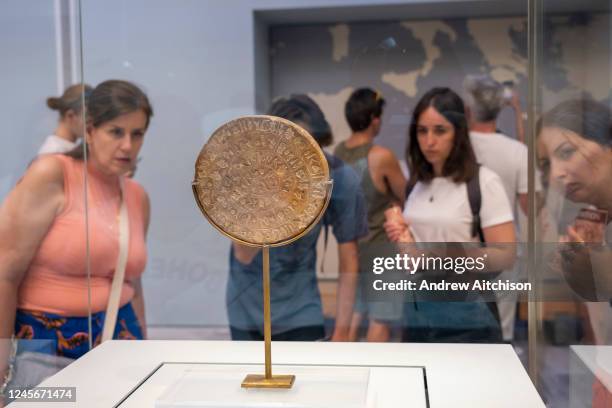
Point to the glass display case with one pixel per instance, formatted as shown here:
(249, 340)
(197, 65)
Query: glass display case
(108, 105)
(570, 88)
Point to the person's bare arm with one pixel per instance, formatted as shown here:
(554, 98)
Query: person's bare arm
(245, 254)
(385, 166)
(25, 217)
(499, 252)
(501, 246)
(347, 285)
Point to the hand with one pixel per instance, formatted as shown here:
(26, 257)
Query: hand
(396, 227)
(575, 249)
(574, 260)
(575, 244)
(406, 237)
(398, 232)
(572, 236)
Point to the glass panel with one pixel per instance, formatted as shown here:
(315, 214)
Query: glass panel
(187, 260)
(43, 287)
(216, 62)
(572, 149)
(201, 64)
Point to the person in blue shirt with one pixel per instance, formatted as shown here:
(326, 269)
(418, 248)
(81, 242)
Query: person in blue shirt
(295, 300)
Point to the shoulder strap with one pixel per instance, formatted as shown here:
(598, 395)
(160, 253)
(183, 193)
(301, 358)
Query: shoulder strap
(475, 199)
(409, 187)
(334, 163)
(115, 294)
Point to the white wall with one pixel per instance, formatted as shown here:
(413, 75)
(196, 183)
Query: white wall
(27, 77)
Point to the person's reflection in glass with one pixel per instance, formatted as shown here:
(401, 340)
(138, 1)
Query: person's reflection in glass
(574, 150)
(70, 125)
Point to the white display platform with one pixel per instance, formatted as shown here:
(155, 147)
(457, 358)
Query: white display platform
(214, 385)
(456, 375)
(588, 364)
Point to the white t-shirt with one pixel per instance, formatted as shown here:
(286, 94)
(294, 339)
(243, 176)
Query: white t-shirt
(439, 211)
(506, 157)
(55, 144)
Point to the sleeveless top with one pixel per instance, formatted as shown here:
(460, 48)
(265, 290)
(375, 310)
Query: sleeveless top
(56, 280)
(376, 201)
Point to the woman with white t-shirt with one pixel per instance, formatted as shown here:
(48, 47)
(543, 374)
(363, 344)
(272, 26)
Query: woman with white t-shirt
(70, 126)
(437, 210)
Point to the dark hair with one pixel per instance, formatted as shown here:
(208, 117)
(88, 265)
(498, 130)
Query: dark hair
(109, 100)
(362, 106)
(114, 98)
(587, 118)
(461, 163)
(302, 109)
(72, 99)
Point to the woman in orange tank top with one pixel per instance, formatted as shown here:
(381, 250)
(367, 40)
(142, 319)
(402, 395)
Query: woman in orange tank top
(45, 236)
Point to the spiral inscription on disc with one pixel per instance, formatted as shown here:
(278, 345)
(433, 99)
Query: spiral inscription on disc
(261, 179)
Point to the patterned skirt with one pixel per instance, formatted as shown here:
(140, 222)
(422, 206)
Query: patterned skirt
(69, 336)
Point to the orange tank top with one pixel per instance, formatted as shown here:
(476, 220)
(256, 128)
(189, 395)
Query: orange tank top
(56, 280)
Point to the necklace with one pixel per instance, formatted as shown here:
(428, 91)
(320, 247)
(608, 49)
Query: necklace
(432, 191)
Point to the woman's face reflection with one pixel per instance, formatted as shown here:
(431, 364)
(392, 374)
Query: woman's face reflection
(579, 167)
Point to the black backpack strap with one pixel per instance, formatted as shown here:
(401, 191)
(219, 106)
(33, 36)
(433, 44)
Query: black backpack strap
(409, 187)
(475, 199)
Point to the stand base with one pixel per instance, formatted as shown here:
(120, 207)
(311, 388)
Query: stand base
(260, 381)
